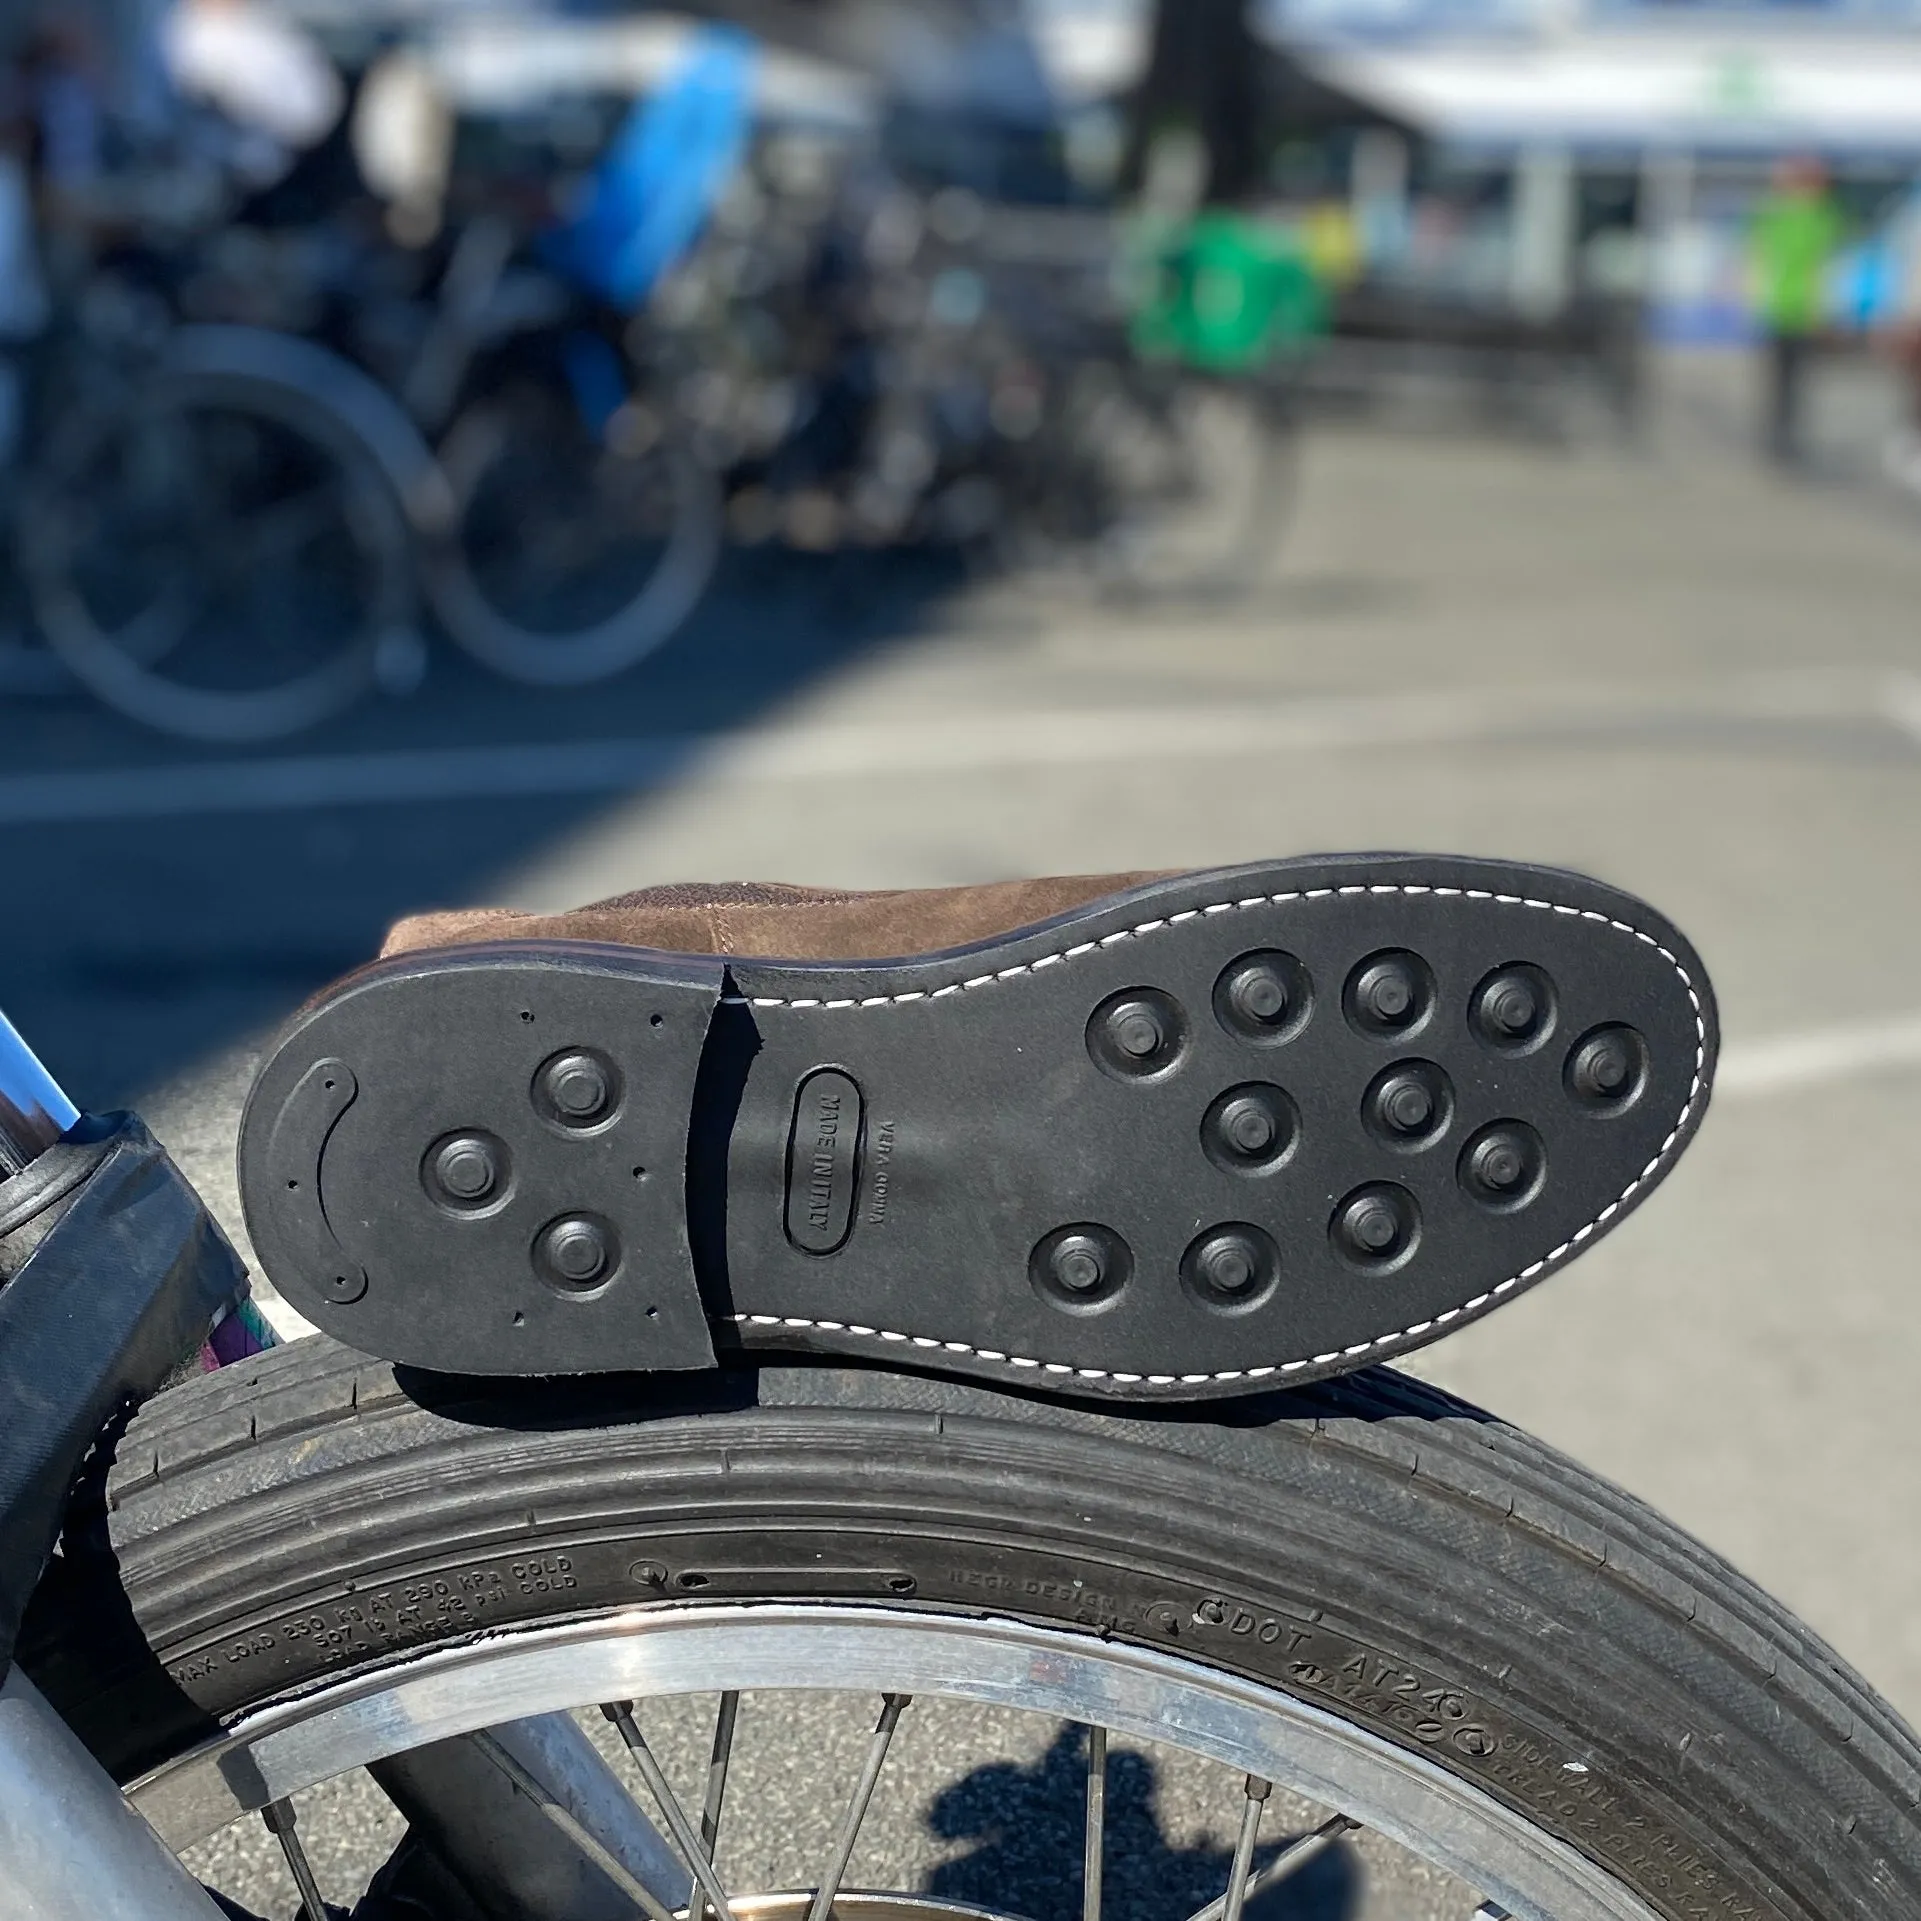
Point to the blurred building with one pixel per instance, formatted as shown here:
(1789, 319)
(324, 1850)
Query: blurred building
(1552, 143)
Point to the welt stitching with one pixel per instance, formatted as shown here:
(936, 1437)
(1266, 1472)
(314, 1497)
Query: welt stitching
(1534, 1271)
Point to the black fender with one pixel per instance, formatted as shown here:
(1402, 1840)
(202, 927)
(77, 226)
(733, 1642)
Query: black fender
(115, 1273)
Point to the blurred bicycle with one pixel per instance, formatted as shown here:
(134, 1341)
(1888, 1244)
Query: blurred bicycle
(542, 422)
(230, 547)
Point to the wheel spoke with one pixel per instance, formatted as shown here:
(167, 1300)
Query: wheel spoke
(717, 1764)
(1297, 1854)
(890, 1713)
(563, 1818)
(1235, 1898)
(1093, 1853)
(286, 525)
(158, 628)
(280, 1819)
(699, 1859)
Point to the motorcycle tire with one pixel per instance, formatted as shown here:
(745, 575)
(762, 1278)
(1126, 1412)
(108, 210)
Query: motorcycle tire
(1410, 1575)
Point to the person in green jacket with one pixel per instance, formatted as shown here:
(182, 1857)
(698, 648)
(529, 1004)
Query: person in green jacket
(1797, 231)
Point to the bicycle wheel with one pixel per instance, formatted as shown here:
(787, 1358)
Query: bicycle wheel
(573, 554)
(1401, 1613)
(1194, 478)
(220, 558)
(28, 667)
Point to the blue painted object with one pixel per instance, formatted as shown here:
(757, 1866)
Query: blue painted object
(596, 379)
(656, 185)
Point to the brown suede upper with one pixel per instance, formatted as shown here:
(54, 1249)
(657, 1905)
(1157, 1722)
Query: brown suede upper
(769, 920)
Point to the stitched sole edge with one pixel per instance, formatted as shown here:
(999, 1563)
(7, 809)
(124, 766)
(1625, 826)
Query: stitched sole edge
(1313, 1366)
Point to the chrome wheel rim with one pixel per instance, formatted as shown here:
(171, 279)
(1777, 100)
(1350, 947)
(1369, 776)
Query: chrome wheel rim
(1137, 1694)
(857, 1905)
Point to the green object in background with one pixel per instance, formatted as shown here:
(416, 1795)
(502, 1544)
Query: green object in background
(1227, 294)
(1795, 235)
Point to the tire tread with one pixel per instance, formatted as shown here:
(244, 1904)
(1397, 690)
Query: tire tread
(316, 1431)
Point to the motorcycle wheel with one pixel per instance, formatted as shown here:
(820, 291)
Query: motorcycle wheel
(1393, 1607)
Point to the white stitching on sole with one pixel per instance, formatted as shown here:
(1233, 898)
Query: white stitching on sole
(1533, 1271)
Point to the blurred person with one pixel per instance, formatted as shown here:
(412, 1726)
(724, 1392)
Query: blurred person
(64, 74)
(23, 287)
(402, 135)
(50, 162)
(268, 80)
(55, 111)
(1796, 234)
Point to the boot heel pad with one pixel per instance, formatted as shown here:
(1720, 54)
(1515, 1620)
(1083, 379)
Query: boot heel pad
(485, 1168)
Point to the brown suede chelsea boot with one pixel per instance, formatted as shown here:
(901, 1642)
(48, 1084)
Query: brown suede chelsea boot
(1154, 1136)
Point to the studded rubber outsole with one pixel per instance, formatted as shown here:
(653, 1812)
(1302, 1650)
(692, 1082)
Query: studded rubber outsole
(1257, 1125)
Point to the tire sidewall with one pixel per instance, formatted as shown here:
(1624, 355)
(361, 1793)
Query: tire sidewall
(1159, 1535)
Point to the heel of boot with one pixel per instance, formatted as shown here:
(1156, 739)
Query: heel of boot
(478, 1162)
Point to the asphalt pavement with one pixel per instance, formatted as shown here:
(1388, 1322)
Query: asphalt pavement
(1656, 662)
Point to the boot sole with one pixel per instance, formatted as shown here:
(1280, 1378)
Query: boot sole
(1241, 1128)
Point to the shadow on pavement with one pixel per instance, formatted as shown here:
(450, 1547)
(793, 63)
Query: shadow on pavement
(138, 945)
(1026, 1824)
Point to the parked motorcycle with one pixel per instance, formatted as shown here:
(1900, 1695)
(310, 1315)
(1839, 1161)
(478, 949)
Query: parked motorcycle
(993, 1326)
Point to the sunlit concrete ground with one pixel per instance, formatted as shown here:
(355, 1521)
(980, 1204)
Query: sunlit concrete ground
(1657, 662)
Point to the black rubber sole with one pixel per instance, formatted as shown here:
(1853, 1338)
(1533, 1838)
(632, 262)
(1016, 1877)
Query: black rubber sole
(1261, 1124)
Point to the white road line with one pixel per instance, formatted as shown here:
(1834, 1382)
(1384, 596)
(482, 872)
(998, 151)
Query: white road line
(964, 742)
(1787, 1062)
